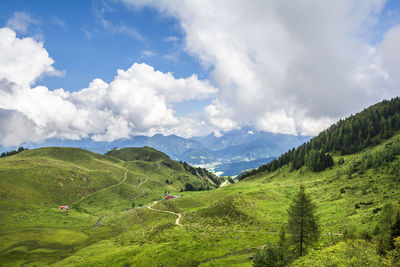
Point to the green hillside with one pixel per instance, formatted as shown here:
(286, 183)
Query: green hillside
(139, 153)
(149, 154)
(227, 226)
(33, 183)
(370, 127)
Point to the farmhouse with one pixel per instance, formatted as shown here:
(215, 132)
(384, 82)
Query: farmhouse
(63, 207)
(170, 196)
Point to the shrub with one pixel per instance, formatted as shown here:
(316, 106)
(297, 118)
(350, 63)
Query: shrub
(270, 256)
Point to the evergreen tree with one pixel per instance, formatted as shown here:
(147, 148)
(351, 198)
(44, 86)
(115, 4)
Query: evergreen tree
(303, 223)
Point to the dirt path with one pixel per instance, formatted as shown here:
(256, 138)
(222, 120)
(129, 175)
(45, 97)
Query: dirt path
(106, 188)
(143, 181)
(224, 183)
(177, 222)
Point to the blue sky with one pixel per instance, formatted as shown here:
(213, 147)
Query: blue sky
(271, 65)
(76, 39)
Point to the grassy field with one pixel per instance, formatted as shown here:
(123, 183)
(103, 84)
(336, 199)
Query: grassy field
(221, 227)
(34, 183)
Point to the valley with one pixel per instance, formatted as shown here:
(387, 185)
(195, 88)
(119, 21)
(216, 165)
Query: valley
(118, 215)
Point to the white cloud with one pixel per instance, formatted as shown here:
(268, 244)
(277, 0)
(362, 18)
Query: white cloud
(137, 101)
(389, 49)
(20, 22)
(147, 53)
(16, 128)
(287, 66)
(23, 61)
(115, 28)
(171, 39)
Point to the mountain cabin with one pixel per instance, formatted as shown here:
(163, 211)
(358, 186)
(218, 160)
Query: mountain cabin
(63, 207)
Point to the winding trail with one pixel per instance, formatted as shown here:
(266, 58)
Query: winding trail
(177, 222)
(224, 183)
(106, 188)
(143, 181)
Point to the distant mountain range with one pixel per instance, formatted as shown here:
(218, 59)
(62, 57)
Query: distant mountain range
(229, 154)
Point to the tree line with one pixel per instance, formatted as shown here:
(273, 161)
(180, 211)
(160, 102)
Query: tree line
(12, 152)
(198, 171)
(367, 128)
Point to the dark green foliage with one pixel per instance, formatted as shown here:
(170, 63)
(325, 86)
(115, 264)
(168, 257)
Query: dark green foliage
(387, 228)
(133, 205)
(283, 244)
(367, 128)
(189, 187)
(270, 256)
(318, 161)
(349, 232)
(376, 210)
(201, 172)
(395, 229)
(12, 152)
(303, 222)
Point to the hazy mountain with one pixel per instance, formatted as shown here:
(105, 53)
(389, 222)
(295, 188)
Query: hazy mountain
(228, 154)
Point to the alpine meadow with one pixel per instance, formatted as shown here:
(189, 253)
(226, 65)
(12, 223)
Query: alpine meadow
(200, 133)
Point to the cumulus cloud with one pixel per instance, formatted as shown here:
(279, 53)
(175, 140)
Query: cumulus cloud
(137, 101)
(23, 61)
(16, 128)
(287, 66)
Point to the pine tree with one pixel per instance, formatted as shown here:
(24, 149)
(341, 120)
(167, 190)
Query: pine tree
(303, 223)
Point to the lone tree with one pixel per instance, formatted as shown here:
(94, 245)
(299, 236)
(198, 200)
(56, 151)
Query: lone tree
(303, 223)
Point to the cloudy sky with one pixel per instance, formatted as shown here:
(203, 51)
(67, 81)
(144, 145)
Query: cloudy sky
(108, 70)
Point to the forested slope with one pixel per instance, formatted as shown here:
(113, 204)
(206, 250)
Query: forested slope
(364, 129)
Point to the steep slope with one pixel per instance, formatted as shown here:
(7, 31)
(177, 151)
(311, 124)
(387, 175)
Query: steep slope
(365, 129)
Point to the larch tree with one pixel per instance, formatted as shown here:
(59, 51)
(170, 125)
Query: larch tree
(303, 222)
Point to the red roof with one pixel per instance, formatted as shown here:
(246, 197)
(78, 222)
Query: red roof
(169, 197)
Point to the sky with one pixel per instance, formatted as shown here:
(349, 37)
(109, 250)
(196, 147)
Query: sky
(109, 70)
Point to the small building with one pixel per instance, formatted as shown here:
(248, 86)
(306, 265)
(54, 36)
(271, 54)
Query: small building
(168, 197)
(172, 196)
(63, 207)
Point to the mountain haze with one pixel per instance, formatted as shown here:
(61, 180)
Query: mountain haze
(228, 154)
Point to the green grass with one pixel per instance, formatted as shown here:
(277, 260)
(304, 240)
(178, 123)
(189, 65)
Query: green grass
(33, 183)
(222, 227)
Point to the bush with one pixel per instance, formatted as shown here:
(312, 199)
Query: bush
(270, 256)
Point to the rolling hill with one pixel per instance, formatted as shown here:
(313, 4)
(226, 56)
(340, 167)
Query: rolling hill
(33, 183)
